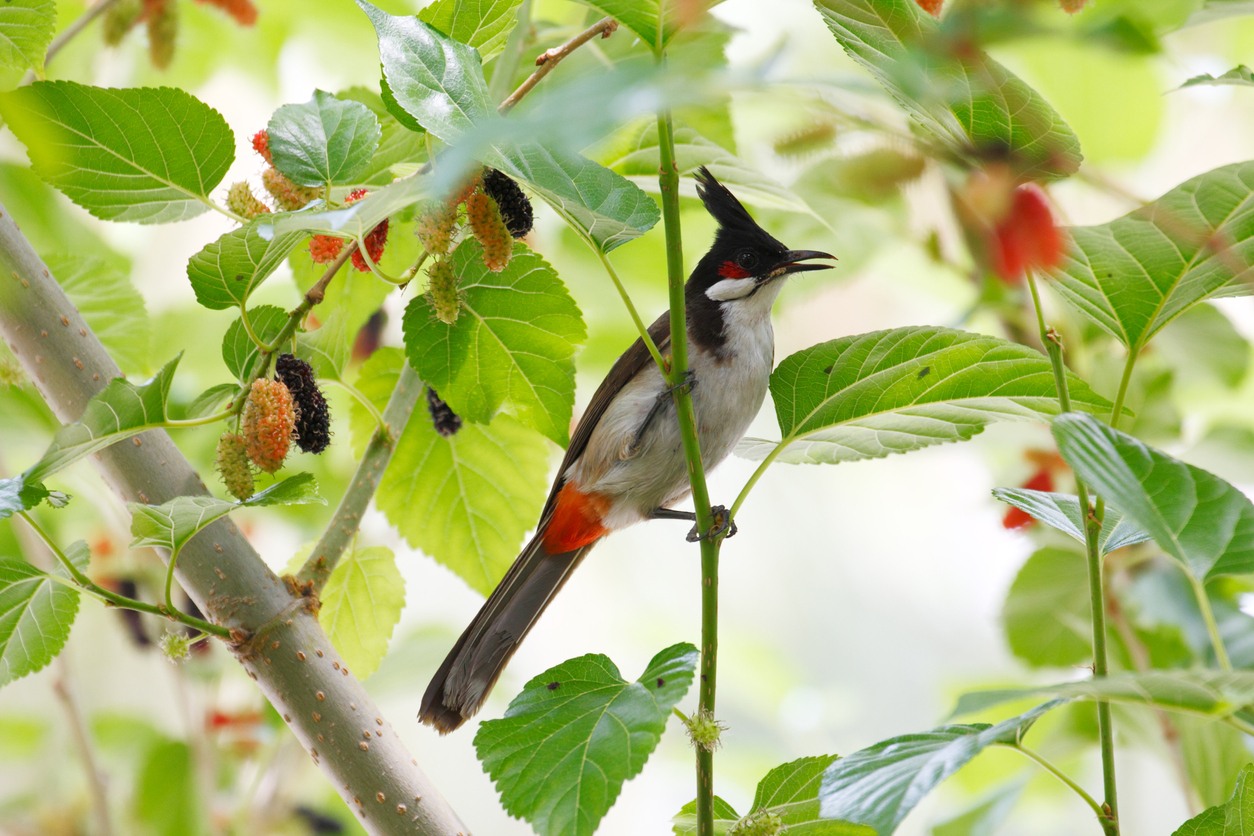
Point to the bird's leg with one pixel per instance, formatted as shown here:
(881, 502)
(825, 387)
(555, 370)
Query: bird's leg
(722, 522)
(663, 397)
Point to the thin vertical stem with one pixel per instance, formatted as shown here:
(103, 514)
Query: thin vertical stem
(1097, 595)
(64, 690)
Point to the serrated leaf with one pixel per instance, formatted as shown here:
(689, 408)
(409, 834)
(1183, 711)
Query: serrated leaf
(439, 82)
(328, 347)
(791, 792)
(1135, 274)
(964, 98)
(1239, 75)
(633, 152)
(685, 822)
(398, 146)
(1062, 511)
(1209, 822)
(361, 605)
(482, 24)
(641, 16)
(239, 352)
(895, 391)
(1239, 812)
(36, 613)
(325, 140)
(224, 273)
(20, 493)
(879, 785)
(1208, 692)
(1047, 610)
(1213, 754)
(1203, 522)
(109, 303)
(466, 500)
(120, 410)
(148, 155)
(171, 524)
(513, 343)
(26, 28)
(356, 220)
(210, 401)
(567, 743)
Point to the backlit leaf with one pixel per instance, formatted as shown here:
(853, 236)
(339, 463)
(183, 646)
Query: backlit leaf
(1047, 610)
(361, 604)
(482, 24)
(1062, 511)
(36, 613)
(110, 304)
(26, 28)
(226, 271)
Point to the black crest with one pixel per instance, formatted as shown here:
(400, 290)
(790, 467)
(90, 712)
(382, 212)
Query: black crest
(735, 226)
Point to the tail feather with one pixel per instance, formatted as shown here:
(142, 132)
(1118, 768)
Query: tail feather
(463, 681)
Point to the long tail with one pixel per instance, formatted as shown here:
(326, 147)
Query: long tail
(472, 667)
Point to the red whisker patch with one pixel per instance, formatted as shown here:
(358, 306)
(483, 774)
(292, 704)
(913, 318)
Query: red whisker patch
(732, 270)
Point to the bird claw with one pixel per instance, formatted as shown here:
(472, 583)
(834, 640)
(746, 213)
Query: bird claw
(689, 381)
(724, 526)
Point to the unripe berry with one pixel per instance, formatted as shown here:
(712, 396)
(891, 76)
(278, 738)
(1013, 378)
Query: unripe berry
(313, 419)
(233, 466)
(120, 19)
(442, 291)
(324, 249)
(704, 730)
(435, 225)
(761, 823)
(514, 206)
(241, 200)
(175, 647)
(261, 144)
(490, 231)
(286, 194)
(269, 418)
(163, 29)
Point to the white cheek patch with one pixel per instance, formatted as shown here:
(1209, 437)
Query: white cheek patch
(731, 289)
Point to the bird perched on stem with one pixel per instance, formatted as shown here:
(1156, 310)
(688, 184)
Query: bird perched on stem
(626, 460)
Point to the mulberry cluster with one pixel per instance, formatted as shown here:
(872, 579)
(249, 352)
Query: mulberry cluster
(234, 467)
(446, 421)
(324, 249)
(287, 195)
(269, 419)
(442, 291)
(162, 17)
(120, 19)
(489, 230)
(241, 200)
(375, 240)
(435, 226)
(514, 206)
(313, 419)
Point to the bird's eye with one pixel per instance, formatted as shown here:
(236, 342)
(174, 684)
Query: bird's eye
(747, 260)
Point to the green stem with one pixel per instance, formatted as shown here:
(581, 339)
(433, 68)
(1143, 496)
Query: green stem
(1097, 595)
(1123, 388)
(1062, 776)
(631, 309)
(757, 474)
(1212, 627)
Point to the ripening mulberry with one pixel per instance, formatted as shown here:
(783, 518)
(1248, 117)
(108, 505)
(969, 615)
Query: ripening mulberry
(435, 225)
(241, 200)
(490, 231)
(442, 291)
(244, 12)
(261, 144)
(375, 240)
(163, 30)
(324, 249)
(469, 187)
(1072, 6)
(932, 7)
(269, 418)
(446, 421)
(120, 19)
(313, 419)
(286, 194)
(233, 465)
(514, 206)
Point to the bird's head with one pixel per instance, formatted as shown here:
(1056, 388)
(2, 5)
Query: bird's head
(744, 258)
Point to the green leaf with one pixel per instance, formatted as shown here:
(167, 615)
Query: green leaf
(633, 152)
(171, 524)
(1047, 610)
(227, 271)
(964, 98)
(325, 140)
(567, 743)
(149, 155)
(1062, 511)
(791, 792)
(1240, 75)
(1239, 814)
(239, 352)
(210, 401)
(1202, 348)
(361, 604)
(986, 817)
(398, 146)
(26, 28)
(1209, 822)
(439, 82)
(120, 410)
(328, 347)
(466, 500)
(483, 24)
(514, 342)
(685, 822)
(1208, 692)
(109, 303)
(1203, 522)
(879, 785)
(167, 798)
(1137, 273)
(20, 494)
(36, 613)
(1213, 754)
(641, 16)
(356, 220)
(870, 395)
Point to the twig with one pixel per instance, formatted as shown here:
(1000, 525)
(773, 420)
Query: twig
(80, 23)
(550, 59)
(95, 784)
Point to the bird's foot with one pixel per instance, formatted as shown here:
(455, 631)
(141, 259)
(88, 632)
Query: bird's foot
(687, 384)
(724, 526)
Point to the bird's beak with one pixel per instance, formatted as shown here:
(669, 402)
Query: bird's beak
(790, 262)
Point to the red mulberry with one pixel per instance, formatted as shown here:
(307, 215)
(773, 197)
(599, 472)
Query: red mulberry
(269, 418)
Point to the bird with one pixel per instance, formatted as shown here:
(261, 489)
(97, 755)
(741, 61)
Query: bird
(625, 462)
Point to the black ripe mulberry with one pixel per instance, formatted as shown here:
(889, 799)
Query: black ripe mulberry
(313, 420)
(514, 205)
(447, 422)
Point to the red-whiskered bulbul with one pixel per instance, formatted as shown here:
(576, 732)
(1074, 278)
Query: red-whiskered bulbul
(626, 461)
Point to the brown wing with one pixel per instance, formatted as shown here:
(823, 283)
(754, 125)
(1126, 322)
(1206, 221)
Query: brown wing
(624, 369)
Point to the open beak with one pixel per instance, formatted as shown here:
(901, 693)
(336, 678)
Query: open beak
(790, 262)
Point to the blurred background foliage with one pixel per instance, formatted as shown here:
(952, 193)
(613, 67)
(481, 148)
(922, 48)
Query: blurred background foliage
(857, 601)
